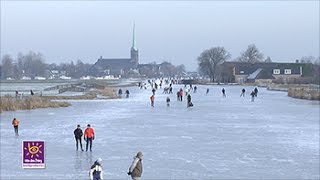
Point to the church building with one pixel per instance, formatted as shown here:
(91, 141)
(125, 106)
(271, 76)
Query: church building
(117, 66)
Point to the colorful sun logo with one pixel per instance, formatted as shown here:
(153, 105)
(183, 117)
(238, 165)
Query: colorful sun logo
(33, 149)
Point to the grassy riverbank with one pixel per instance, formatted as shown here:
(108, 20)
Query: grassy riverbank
(304, 93)
(106, 93)
(10, 103)
(301, 91)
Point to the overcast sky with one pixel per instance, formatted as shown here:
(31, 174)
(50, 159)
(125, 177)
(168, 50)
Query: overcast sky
(173, 31)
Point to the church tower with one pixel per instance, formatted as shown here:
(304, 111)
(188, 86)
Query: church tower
(134, 55)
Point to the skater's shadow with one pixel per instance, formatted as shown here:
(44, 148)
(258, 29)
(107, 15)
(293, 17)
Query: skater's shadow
(82, 160)
(88, 156)
(78, 160)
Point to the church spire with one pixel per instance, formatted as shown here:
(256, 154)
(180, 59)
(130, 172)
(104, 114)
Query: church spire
(133, 37)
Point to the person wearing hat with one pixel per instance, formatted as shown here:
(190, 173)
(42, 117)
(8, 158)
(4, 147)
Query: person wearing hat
(78, 134)
(88, 136)
(135, 169)
(96, 170)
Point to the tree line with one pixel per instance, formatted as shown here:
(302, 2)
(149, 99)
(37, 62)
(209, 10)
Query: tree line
(33, 64)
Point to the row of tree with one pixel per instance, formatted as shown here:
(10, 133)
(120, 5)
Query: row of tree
(164, 69)
(210, 59)
(33, 64)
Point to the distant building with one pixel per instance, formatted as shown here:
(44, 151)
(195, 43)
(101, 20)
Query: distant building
(266, 72)
(149, 70)
(39, 78)
(117, 66)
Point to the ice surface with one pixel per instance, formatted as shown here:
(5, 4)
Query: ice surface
(275, 137)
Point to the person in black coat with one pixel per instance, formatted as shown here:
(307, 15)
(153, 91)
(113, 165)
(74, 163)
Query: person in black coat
(242, 92)
(78, 134)
(189, 103)
(255, 91)
(253, 94)
(127, 93)
(120, 92)
(224, 92)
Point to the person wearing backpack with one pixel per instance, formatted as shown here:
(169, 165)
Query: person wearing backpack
(96, 170)
(135, 169)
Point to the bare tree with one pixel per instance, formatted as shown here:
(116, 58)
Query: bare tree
(268, 60)
(33, 64)
(209, 60)
(180, 70)
(7, 70)
(20, 65)
(167, 69)
(307, 59)
(251, 55)
(317, 61)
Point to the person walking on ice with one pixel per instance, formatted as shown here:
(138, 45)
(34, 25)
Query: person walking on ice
(181, 94)
(153, 91)
(152, 100)
(15, 124)
(253, 94)
(127, 93)
(168, 101)
(89, 136)
(224, 92)
(135, 170)
(96, 170)
(189, 103)
(78, 135)
(242, 92)
(178, 95)
(255, 91)
(195, 89)
(120, 92)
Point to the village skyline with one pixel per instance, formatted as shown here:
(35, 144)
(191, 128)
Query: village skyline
(176, 32)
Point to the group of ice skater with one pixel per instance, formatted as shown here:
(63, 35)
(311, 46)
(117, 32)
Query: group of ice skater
(126, 92)
(188, 89)
(88, 136)
(96, 173)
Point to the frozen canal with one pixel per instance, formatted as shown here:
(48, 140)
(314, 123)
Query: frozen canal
(275, 137)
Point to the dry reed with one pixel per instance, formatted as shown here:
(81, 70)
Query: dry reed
(304, 93)
(9, 103)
